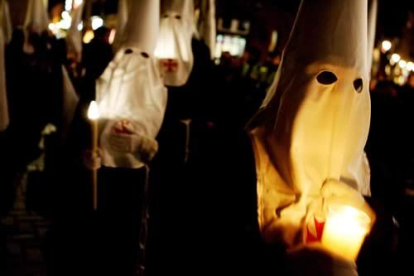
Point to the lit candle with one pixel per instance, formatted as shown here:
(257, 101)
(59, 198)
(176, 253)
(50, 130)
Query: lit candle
(93, 115)
(345, 230)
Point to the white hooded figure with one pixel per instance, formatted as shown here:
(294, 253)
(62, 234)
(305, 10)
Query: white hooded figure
(5, 37)
(122, 19)
(74, 36)
(207, 24)
(174, 48)
(130, 93)
(36, 21)
(309, 136)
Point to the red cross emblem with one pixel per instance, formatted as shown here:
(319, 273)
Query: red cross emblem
(170, 65)
(316, 235)
(122, 127)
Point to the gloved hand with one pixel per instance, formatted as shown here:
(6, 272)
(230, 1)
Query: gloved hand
(92, 160)
(314, 260)
(334, 191)
(124, 138)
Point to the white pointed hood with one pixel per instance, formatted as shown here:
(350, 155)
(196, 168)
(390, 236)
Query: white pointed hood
(130, 93)
(207, 24)
(142, 27)
(372, 28)
(314, 122)
(124, 6)
(174, 49)
(74, 36)
(37, 19)
(5, 36)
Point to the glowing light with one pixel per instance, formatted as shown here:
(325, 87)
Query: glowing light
(112, 36)
(395, 58)
(53, 28)
(402, 64)
(345, 230)
(410, 66)
(89, 35)
(68, 5)
(97, 22)
(401, 80)
(386, 45)
(80, 26)
(93, 111)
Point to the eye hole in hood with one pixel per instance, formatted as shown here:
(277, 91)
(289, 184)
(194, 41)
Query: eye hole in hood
(358, 85)
(326, 78)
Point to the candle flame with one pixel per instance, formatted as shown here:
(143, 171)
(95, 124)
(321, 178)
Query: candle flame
(93, 111)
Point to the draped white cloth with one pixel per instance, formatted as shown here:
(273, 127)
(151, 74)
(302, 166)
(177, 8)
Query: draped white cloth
(122, 19)
(372, 28)
(131, 95)
(207, 24)
(174, 50)
(310, 133)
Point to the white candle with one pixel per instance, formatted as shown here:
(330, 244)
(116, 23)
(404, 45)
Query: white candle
(93, 115)
(345, 231)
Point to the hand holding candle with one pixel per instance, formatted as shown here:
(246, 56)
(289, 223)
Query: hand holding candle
(93, 115)
(345, 230)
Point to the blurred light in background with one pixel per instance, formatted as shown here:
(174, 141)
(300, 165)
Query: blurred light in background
(395, 58)
(112, 36)
(88, 36)
(97, 22)
(410, 66)
(68, 5)
(386, 46)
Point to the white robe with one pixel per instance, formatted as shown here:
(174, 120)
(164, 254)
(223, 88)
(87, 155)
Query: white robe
(310, 134)
(174, 48)
(130, 90)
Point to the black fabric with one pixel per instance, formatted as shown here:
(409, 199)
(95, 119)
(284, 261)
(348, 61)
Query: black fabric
(98, 242)
(194, 100)
(222, 185)
(34, 86)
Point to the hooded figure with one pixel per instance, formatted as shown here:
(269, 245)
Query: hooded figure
(5, 37)
(309, 136)
(74, 36)
(131, 95)
(207, 24)
(36, 21)
(122, 18)
(174, 49)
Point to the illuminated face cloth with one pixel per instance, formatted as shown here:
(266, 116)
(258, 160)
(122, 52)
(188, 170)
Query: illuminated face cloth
(314, 122)
(5, 37)
(130, 93)
(174, 50)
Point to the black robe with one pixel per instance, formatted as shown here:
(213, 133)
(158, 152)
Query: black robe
(214, 228)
